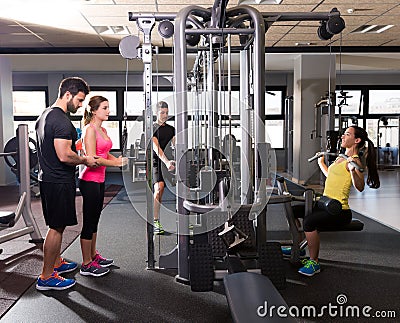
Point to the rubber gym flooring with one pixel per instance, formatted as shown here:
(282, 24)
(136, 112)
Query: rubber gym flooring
(362, 268)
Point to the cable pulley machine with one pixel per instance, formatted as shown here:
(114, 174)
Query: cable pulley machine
(207, 30)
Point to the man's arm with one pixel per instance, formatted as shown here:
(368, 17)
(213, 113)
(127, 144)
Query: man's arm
(66, 155)
(160, 153)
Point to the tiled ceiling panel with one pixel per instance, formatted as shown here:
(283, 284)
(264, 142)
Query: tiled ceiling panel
(79, 24)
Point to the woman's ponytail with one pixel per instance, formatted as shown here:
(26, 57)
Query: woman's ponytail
(373, 176)
(87, 116)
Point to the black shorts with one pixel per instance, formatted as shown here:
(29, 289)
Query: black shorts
(161, 173)
(58, 204)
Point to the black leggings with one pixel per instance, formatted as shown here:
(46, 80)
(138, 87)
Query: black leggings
(93, 198)
(321, 219)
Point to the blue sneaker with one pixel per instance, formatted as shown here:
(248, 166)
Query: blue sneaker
(66, 267)
(54, 282)
(311, 267)
(287, 251)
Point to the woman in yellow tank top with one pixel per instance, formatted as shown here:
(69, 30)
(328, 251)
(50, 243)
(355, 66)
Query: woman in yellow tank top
(340, 176)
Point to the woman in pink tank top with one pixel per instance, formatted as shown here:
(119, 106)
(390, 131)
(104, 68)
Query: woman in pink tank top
(95, 143)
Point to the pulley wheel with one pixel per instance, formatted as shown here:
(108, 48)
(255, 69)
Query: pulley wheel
(323, 34)
(166, 29)
(335, 25)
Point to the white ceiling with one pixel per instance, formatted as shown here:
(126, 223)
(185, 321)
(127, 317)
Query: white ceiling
(30, 26)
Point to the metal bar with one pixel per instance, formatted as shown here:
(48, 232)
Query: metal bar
(303, 16)
(214, 31)
(12, 153)
(180, 75)
(17, 234)
(245, 112)
(146, 25)
(286, 16)
(133, 16)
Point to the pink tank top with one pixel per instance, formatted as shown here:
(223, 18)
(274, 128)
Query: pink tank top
(98, 174)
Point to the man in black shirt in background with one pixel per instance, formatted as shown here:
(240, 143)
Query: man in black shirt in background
(163, 137)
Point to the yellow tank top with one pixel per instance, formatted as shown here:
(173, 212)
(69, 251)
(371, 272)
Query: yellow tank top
(338, 183)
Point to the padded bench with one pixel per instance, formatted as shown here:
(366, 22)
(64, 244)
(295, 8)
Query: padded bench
(354, 225)
(251, 296)
(7, 218)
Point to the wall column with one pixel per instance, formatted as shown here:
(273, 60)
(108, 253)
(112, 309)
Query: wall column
(310, 83)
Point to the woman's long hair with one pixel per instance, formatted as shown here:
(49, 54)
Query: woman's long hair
(373, 176)
(93, 105)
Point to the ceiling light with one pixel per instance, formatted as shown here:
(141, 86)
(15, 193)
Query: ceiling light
(371, 29)
(259, 2)
(303, 44)
(111, 30)
(44, 13)
(368, 28)
(381, 30)
(119, 30)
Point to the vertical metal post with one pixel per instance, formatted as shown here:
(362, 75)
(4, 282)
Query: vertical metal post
(245, 112)
(25, 181)
(146, 25)
(259, 91)
(181, 145)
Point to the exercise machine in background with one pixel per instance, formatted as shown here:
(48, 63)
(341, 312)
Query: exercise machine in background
(11, 160)
(388, 142)
(22, 156)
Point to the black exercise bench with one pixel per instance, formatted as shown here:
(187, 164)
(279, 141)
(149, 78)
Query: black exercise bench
(252, 298)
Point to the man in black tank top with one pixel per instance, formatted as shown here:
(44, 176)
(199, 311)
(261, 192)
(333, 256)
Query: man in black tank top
(163, 138)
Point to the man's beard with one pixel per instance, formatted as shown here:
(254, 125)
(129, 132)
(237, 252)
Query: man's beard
(71, 107)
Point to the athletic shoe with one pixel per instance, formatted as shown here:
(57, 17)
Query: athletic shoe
(304, 261)
(93, 269)
(158, 229)
(103, 262)
(54, 282)
(66, 267)
(287, 251)
(310, 268)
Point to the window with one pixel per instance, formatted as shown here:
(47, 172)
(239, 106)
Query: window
(31, 128)
(372, 129)
(273, 103)
(384, 102)
(111, 96)
(135, 105)
(350, 102)
(274, 133)
(113, 131)
(112, 125)
(28, 103)
(275, 117)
